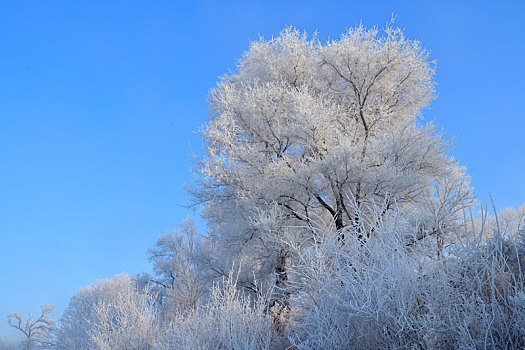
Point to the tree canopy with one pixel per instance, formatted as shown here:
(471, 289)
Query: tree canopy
(305, 132)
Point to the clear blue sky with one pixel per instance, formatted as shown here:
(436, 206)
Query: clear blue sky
(99, 101)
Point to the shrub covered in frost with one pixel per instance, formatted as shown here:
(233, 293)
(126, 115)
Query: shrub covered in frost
(390, 292)
(229, 320)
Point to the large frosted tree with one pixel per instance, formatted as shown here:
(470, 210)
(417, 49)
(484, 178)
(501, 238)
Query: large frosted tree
(306, 132)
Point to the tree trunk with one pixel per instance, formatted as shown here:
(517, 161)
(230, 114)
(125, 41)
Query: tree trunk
(281, 279)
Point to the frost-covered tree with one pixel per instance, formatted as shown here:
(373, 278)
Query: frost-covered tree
(177, 278)
(80, 316)
(34, 329)
(305, 132)
(126, 321)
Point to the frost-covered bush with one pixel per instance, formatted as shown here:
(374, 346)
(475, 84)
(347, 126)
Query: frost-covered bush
(390, 292)
(228, 320)
(111, 314)
(79, 317)
(126, 321)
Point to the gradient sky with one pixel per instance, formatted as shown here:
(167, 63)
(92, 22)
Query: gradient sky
(99, 101)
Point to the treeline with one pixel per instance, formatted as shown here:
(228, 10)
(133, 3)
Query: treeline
(463, 292)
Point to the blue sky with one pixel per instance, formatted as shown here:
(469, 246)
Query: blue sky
(99, 101)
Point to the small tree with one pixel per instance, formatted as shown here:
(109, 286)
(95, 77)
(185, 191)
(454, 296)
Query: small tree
(79, 318)
(126, 321)
(174, 264)
(35, 330)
